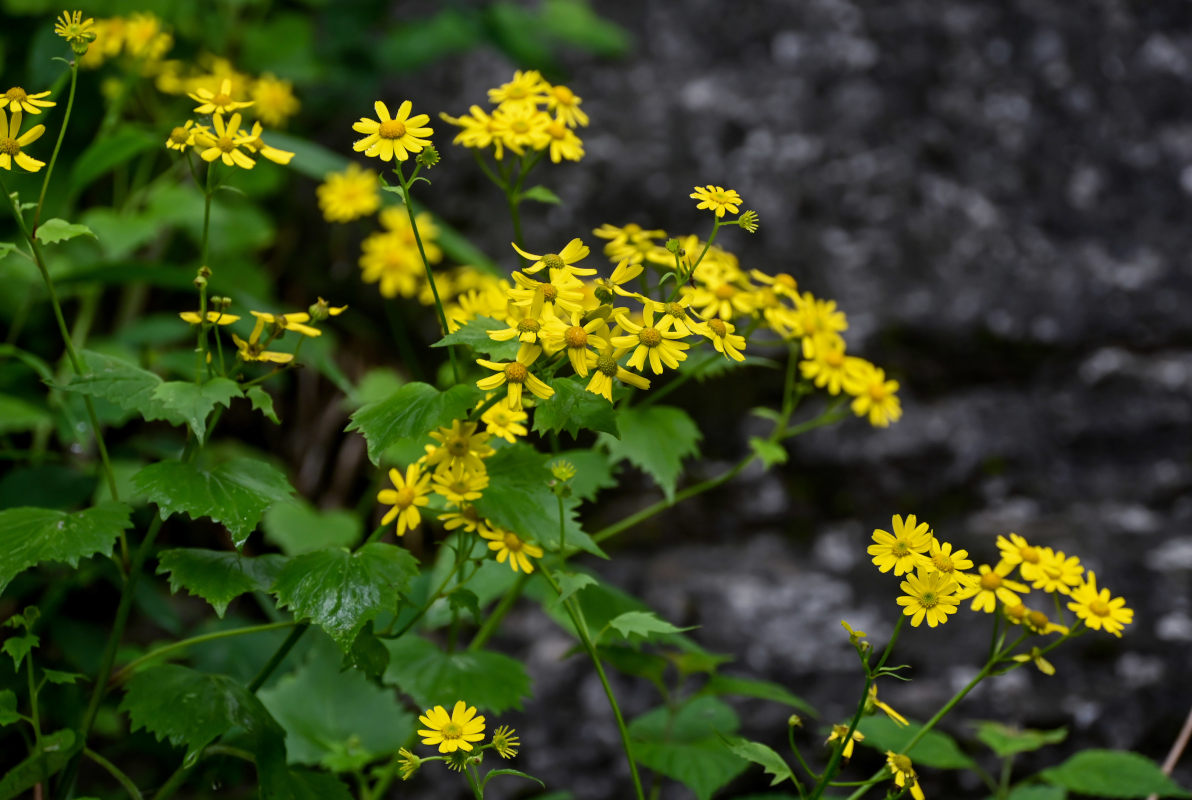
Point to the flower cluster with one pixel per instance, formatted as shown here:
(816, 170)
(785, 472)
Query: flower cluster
(939, 578)
(267, 329)
(456, 735)
(529, 115)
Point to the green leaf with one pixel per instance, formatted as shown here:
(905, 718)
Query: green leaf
(296, 527)
(191, 709)
(655, 439)
(17, 647)
(496, 773)
(634, 661)
(217, 577)
(645, 624)
(30, 536)
(688, 746)
(761, 754)
(575, 22)
(368, 653)
(326, 711)
(18, 415)
(572, 582)
(573, 408)
(109, 152)
(304, 784)
(518, 498)
(748, 687)
(413, 410)
(124, 384)
(120, 235)
(55, 751)
(234, 493)
(57, 230)
(340, 591)
(194, 402)
(461, 600)
(262, 401)
(8, 708)
(593, 472)
(474, 334)
(936, 749)
(542, 195)
(1006, 740)
(1037, 792)
(59, 678)
(481, 678)
(5, 249)
(1112, 773)
(770, 453)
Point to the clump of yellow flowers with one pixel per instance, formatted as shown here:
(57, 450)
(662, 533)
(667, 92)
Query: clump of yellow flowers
(938, 578)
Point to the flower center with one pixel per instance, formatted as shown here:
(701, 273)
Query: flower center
(516, 92)
(928, 600)
(991, 581)
(942, 562)
(457, 447)
(1017, 612)
(650, 337)
(564, 95)
(718, 327)
(519, 126)
(405, 497)
(392, 129)
(516, 372)
(1029, 554)
(554, 261)
(902, 764)
(576, 336)
(900, 548)
(226, 144)
(529, 326)
(607, 364)
(549, 292)
(221, 100)
(1037, 620)
(834, 358)
(877, 391)
(674, 310)
(556, 130)
(725, 291)
(9, 146)
(512, 543)
(15, 95)
(451, 731)
(179, 135)
(1099, 607)
(470, 513)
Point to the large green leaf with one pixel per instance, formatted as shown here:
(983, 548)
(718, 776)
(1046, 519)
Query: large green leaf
(1006, 740)
(29, 536)
(1037, 792)
(413, 410)
(655, 439)
(234, 493)
(57, 230)
(748, 687)
(519, 498)
(55, 751)
(191, 709)
(764, 755)
(334, 717)
(573, 408)
(194, 402)
(124, 384)
(481, 678)
(645, 624)
(217, 576)
(340, 591)
(297, 528)
(474, 334)
(688, 747)
(936, 749)
(1113, 773)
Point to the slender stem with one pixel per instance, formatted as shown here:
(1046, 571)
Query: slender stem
(790, 735)
(581, 628)
(498, 614)
(1177, 749)
(278, 656)
(115, 772)
(125, 672)
(45, 182)
(477, 792)
(208, 193)
(461, 559)
(1001, 789)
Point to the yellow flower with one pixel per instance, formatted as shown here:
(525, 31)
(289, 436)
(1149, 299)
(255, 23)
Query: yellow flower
(903, 772)
(854, 636)
(77, 32)
(872, 703)
(347, 195)
(724, 340)
(565, 105)
(950, 562)
(274, 99)
(183, 136)
(577, 338)
(1041, 663)
(460, 485)
(295, 321)
(993, 587)
(213, 317)
(519, 127)
(15, 99)
(410, 493)
(509, 546)
(458, 445)
(1057, 572)
(720, 295)
(839, 732)
(1018, 551)
(717, 199)
(658, 346)
(516, 374)
(630, 243)
(254, 350)
(226, 142)
(903, 550)
(561, 290)
(257, 145)
(928, 594)
(525, 90)
(386, 259)
(607, 368)
(145, 39)
(1098, 609)
(466, 517)
(397, 220)
(388, 138)
(874, 396)
(563, 143)
(452, 732)
(11, 142)
(505, 422)
(476, 131)
(572, 253)
(829, 368)
(220, 102)
(505, 741)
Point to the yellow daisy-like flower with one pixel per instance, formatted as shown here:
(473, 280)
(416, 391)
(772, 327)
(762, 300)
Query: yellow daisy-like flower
(1034, 621)
(874, 396)
(459, 485)
(928, 594)
(566, 259)
(213, 317)
(477, 131)
(516, 374)
(854, 636)
(509, 546)
(721, 296)
(11, 142)
(505, 742)
(903, 772)
(458, 445)
(520, 127)
(903, 550)
(994, 587)
(657, 345)
(577, 338)
(411, 492)
(563, 143)
(1057, 572)
(254, 349)
(257, 145)
(717, 199)
(873, 704)
(630, 243)
(77, 32)
(562, 290)
(839, 732)
(565, 105)
(385, 259)
(221, 102)
(466, 517)
(1098, 609)
(724, 340)
(1017, 551)
(505, 422)
(294, 321)
(274, 100)
(183, 136)
(348, 195)
(950, 562)
(16, 99)
(388, 138)
(225, 144)
(818, 321)
(451, 732)
(608, 368)
(525, 90)
(829, 368)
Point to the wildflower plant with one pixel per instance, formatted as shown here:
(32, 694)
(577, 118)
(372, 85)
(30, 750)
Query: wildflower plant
(329, 662)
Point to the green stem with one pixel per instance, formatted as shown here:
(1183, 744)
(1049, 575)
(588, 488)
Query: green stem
(494, 619)
(115, 772)
(125, 672)
(477, 792)
(581, 628)
(278, 656)
(45, 183)
(790, 735)
(208, 193)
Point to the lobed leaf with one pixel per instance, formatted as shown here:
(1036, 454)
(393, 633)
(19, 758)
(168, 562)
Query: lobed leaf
(761, 754)
(645, 624)
(262, 401)
(687, 745)
(1006, 740)
(30, 536)
(655, 439)
(413, 410)
(123, 383)
(474, 334)
(57, 230)
(194, 402)
(482, 678)
(217, 577)
(573, 408)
